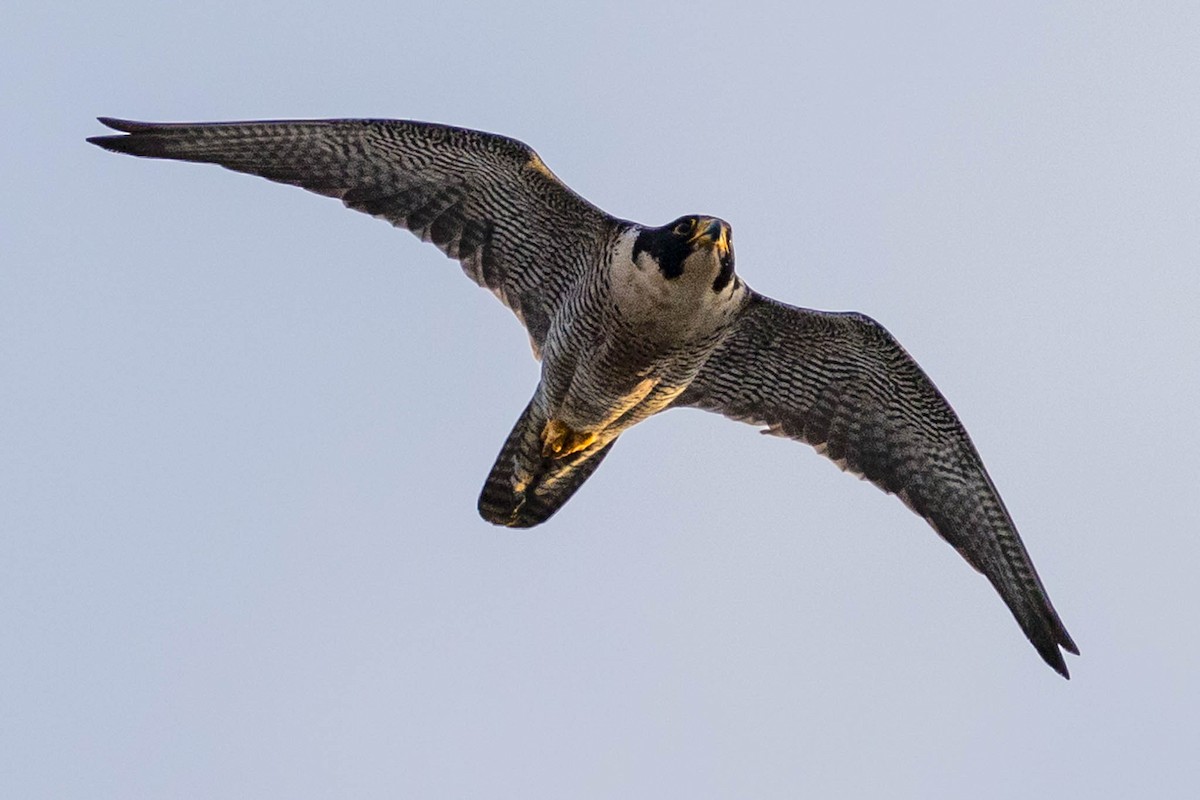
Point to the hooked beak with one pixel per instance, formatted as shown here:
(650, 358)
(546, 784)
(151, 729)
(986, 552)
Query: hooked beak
(714, 233)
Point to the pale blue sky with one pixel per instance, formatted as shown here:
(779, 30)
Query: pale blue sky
(242, 430)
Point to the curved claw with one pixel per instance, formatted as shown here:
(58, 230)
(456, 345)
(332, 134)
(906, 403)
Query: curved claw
(559, 440)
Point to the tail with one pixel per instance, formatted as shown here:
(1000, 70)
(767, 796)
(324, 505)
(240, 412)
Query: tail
(526, 488)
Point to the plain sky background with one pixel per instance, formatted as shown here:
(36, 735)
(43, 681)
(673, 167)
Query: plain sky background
(242, 430)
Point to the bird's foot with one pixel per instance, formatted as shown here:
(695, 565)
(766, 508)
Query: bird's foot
(560, 441)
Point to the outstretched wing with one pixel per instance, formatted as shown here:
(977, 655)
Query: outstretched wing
(841, 383)
(483, 199)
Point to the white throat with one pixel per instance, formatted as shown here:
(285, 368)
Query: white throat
(679, 307)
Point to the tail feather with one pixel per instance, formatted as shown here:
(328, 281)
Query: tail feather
(526, 488)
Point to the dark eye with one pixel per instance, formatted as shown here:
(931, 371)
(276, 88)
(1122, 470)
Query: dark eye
(684, 227)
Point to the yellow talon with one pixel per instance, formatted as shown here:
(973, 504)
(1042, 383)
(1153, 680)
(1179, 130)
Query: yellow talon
(559, 441)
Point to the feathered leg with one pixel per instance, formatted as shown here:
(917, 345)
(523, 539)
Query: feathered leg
(525, 487)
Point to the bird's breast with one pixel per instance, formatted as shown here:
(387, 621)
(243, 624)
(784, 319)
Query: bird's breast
(669, 310)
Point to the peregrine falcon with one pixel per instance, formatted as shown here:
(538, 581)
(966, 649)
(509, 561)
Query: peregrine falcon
(629, 320)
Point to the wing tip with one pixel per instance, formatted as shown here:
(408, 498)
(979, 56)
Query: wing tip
(1054, 658)
(121, 143)
(114, 144)
(136, 138)
(1048, 648)
(124, 125)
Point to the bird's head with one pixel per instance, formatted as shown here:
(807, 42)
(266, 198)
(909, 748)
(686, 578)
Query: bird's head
(694, 248)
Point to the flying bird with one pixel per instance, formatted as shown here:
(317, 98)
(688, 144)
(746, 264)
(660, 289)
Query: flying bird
(629, 320)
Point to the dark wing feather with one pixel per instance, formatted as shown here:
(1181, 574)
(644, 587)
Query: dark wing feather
(483, 199)
(841, 383)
